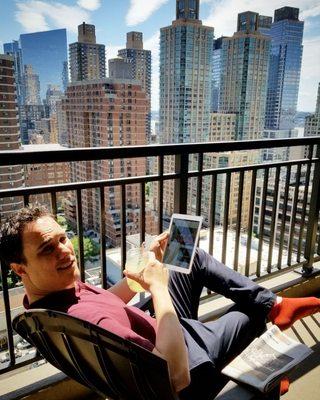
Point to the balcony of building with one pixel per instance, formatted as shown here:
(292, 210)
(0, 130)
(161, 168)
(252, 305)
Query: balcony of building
(260, 218)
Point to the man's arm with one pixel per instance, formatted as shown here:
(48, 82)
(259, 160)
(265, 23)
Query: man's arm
(170, 343)
(122, 290)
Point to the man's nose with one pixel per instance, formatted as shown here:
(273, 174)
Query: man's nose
(63, 250)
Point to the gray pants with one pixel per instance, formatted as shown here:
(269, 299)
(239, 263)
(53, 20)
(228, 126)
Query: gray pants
(221, 340)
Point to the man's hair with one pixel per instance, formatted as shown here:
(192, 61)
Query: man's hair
(11, 246)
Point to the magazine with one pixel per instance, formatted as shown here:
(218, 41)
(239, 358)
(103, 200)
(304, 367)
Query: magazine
(264, 362)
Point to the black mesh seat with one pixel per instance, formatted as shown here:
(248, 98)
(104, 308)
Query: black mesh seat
(108, 364)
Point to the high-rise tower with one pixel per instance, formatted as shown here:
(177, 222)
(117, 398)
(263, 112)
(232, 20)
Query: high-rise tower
(31, 86)
(285, 66)
(87, 58)
(216, 74)
(47, 53)
(11, 176)
(245, 60)
(14, 50)
(186, 48)
(185, 76)
(107, 112)
(140, 60)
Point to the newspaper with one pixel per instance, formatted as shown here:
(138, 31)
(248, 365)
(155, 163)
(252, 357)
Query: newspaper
(263, 363)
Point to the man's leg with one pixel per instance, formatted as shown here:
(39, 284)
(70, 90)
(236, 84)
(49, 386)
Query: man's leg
(224, 339)
(185, 289)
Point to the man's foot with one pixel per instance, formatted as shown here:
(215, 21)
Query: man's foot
(284, 385)
(287, 310)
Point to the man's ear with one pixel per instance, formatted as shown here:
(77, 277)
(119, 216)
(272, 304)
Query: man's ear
(18, 269)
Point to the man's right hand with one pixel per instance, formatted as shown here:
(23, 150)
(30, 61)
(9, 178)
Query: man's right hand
(158, 245)
(153, 277)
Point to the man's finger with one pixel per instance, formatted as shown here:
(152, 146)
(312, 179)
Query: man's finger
(162, 235)
(133, 275)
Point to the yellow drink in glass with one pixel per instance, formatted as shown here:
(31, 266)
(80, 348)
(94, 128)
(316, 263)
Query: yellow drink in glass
(137, 259)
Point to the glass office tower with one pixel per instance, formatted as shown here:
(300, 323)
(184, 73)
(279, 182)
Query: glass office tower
(284, 71)
(47, 53)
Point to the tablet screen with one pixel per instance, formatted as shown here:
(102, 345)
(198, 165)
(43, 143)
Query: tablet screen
(181, 242)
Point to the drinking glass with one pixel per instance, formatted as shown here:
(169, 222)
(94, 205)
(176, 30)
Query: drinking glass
(137, 259)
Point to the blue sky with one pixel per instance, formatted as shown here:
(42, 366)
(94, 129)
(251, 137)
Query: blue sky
(113, 18)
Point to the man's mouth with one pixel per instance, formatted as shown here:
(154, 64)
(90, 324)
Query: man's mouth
(67, 265)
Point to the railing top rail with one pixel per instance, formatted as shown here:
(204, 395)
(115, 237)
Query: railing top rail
(14, 157)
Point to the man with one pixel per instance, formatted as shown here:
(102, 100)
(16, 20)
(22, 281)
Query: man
(38, 250)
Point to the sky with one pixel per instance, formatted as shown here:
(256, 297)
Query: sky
(114, 18)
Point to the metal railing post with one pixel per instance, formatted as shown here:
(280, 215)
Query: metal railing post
(313, 220)
(181, 184)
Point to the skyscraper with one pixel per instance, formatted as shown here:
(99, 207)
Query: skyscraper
(285, 66)
(11, 176)
(53, 94)
(87, 59)
(31, 86)
(185, 81)
(245, 60)
(47, 53)
(185, 84)
(139, 58)
(140, 61)
(216, 74)
(107, 112)
(14, 50)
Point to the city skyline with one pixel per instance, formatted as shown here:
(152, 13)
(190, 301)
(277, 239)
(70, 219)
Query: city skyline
(138, 15)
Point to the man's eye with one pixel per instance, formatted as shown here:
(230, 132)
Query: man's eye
(63, 239)
(48, 249)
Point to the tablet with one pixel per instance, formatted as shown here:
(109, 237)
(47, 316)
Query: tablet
(183, 238)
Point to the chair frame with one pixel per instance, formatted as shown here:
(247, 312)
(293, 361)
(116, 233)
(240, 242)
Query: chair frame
(106, 363)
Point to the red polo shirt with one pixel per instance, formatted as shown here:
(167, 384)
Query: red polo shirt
(102, 308)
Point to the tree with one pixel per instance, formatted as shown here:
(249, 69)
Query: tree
(63, 222)
(90, 248)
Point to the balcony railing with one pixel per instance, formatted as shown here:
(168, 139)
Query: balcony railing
(282, 215)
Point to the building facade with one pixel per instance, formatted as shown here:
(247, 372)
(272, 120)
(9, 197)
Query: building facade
(216, 74)
(245, 61)
(119, 68)
(140, 61)
(107, 112)
(31, 86)
(46, 174)
(312, 122)
(10, 176)
(185, 86)
(13, 49)
(87, 59)
(47, 53)
(285, 67)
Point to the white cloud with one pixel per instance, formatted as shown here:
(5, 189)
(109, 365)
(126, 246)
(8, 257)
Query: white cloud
(37, 15)
(90, 5)
(141, 10)
(223, 13)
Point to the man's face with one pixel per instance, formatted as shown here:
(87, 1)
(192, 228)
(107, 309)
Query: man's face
(50, 263)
